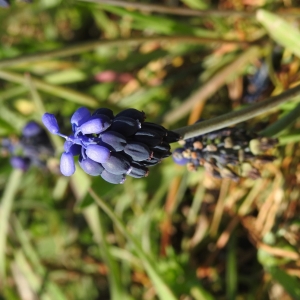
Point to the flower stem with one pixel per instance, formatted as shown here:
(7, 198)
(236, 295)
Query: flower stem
(237, 116)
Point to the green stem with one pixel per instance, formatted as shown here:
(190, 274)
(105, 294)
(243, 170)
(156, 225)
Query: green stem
(55, 90)
(235, 117)
(182, 11)
(7, 200)
(89, 46)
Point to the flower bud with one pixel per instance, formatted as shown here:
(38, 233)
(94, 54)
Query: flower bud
(115, 141)
(155, 127)
(67, 165)
(125, 125)
(149, 137)
(113, 178)
(172, 137)
(117, 164)
(81, 115)
(132, 113)
(90, 167)
(97, 153)
(95, 125)
(137, 151)
(138, 171)
(163, 147)
(104, 111)
(178, 157)
(50, 123)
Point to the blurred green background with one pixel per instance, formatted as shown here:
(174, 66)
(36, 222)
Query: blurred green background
(174, 234)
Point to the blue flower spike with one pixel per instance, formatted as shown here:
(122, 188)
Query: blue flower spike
(67, 165)
(50, 123)
(112, 146)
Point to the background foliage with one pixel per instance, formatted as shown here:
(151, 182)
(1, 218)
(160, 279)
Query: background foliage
(174, 234)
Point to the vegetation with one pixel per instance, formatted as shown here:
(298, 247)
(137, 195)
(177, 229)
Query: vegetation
(175, 234)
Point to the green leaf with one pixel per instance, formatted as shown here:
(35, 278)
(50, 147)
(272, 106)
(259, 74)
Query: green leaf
(284, 122)
(291, 284)
(66, 76)
(281, 31)
(160, 24)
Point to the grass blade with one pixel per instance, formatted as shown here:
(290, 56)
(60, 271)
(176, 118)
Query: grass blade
(163, 291)
(6, 204)
(276, 128)
(281, 31)
(80, 184)
(58, 91)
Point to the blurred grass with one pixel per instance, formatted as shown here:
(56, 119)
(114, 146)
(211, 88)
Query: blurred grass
(174, 234)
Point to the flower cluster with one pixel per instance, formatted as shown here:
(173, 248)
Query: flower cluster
(33, 148)
(226, 153)
(112, 146)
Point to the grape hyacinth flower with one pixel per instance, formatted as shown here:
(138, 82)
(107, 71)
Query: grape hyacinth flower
(33, 147)
(112, 146)
(226, 153)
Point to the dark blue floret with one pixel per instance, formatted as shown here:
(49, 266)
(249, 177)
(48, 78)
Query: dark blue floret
(117, 164)
(138, 171)
(113, 140)
(113, 178)
(104, 111)
(133, 114)
(90, 167)
(137, 151)
(125, 125)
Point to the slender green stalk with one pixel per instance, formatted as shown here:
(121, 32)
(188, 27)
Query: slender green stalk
(237, 116)
(89, 46)
(5, 211)
(182, 11)
(55, 90)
